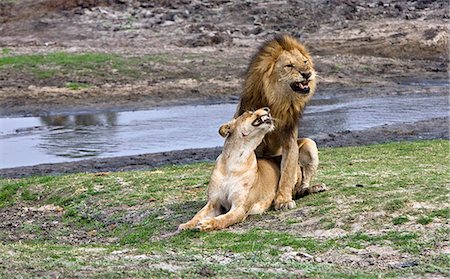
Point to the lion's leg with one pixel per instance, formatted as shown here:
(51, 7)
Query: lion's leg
(288, 178)
(308, 162)
(209, 210)
(235, 215)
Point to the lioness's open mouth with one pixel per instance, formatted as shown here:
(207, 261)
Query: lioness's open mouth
(300, 87)
(266, 118)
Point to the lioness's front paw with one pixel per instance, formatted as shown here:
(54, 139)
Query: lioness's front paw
(207, 225)
(284, 204)
(186, 226)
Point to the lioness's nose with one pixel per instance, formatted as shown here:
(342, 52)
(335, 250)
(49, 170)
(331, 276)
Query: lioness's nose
(306, 75)
(266, 109)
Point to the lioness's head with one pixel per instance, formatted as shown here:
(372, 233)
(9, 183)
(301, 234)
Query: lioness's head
(251, 125)
(282, 70)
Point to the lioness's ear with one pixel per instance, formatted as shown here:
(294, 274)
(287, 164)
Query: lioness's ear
(226, 129)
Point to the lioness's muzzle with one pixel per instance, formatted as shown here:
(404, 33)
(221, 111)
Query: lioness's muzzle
(266, 118)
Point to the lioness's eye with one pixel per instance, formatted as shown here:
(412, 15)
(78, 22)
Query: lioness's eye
(306, 61)
(290, 65)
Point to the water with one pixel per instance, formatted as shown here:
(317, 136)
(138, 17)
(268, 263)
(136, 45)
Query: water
(61, 138)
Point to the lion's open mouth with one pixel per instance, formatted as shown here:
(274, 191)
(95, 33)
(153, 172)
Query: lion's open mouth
(266, 118)
(300, 87)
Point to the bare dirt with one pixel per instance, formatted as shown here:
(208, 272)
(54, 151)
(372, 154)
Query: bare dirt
(200, 51)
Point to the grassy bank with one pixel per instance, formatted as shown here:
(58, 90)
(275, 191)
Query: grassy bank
(82, 70)
(385, 215)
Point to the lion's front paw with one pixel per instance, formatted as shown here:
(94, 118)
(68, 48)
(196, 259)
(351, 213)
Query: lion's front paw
(304, 191)
(207, 225)
(281, 203)
(319, 188)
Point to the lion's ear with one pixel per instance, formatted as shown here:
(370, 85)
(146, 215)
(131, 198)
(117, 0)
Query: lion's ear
(226, 129)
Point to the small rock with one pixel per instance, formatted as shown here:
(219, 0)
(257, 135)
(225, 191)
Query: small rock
(167, 23)
(405, 264)
(147, 14)
(398, 7)
(305, 255)
(206, 272)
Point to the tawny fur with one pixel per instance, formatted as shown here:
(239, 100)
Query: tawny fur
(240, 184)
(279, 63)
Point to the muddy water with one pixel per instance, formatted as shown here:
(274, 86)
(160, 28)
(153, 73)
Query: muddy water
(59, 138)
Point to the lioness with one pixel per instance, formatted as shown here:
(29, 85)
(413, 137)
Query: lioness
(240, 184)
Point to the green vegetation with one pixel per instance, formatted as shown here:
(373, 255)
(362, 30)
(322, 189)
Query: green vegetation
(123, 224)
(73, 68)
(6, 51)
(76, 85)
(400, 220)
(8, 1)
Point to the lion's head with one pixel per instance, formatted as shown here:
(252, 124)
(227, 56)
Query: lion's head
(281, 76)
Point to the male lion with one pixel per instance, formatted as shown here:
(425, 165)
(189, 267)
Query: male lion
(281, 76)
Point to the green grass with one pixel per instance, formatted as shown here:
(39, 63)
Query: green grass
(97, 69)
(76, 85)
(400, 220)
(6, 51)
(74, 70)
(122, 224)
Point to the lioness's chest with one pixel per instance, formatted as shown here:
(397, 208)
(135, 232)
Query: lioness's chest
(227, 188)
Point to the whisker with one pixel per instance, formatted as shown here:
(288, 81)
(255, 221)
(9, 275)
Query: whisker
(275, 119)
(319, 76)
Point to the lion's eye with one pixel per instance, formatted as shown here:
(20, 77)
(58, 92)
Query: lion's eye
(290, 65)
(306, 61)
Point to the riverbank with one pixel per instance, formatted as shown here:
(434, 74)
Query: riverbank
(437, 128)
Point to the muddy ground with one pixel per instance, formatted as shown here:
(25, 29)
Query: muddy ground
(199, 51)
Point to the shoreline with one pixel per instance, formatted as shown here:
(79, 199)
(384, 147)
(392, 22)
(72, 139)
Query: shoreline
(436, 128)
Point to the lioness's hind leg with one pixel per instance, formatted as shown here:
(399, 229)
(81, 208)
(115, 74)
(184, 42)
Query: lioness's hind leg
(308, 160)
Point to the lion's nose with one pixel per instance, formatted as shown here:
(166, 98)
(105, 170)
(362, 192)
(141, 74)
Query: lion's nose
(306, 75)
(266, 109)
